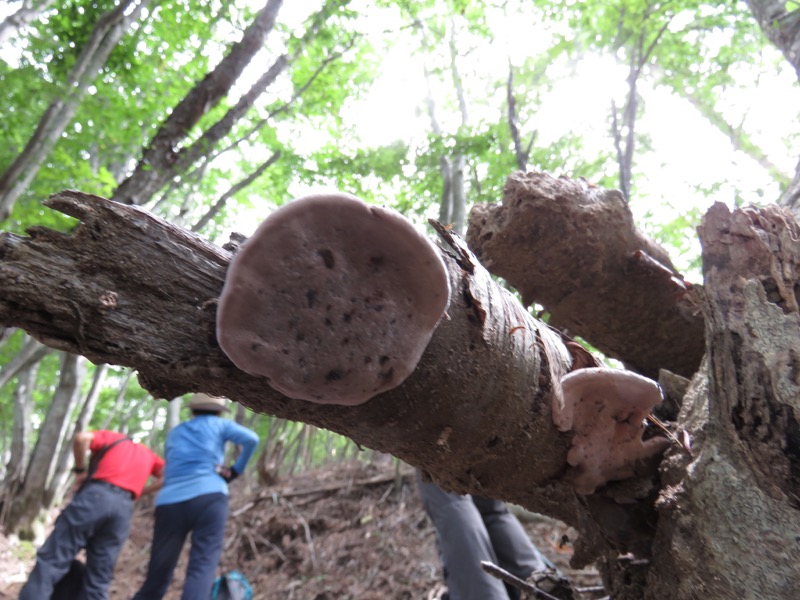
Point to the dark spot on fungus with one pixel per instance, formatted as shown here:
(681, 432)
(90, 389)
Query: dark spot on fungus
(333, 375)
(328, 322)
(376, 261)
(311, 296)
(327, 258)
(386, 375)
(383, 360)
(346, 317)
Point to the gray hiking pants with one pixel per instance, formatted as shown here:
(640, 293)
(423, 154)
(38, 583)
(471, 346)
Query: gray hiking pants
(471, 529)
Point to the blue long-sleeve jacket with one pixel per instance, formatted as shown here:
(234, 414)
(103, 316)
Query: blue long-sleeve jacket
(193, 451)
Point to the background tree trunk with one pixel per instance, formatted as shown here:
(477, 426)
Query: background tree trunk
(109, 30)
(36, 493)
(28, 12)
(18, 453)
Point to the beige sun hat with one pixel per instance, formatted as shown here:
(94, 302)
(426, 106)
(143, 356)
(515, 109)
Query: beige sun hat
(201, 401)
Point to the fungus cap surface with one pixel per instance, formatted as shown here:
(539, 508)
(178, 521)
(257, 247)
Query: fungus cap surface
(606, 409)
(332, 299)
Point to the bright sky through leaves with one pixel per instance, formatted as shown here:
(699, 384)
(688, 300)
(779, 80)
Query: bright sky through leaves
(688, 156)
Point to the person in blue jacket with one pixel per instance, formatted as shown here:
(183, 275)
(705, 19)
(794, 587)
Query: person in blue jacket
(194, 498)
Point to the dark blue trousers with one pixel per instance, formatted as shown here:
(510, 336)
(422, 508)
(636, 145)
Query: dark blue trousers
(204, 517)
(98, 519)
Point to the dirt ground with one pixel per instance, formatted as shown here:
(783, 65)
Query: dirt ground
(344, 532)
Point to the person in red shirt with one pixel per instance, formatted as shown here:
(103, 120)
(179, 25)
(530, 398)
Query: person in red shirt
(99, 516)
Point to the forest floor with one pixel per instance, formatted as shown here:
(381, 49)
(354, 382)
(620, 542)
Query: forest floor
(348, 531)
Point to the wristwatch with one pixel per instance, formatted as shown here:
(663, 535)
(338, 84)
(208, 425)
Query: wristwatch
(79, 469)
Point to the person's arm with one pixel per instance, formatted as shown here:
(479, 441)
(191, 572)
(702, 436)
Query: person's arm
(247, 439)
(81, 443)
(156, 483)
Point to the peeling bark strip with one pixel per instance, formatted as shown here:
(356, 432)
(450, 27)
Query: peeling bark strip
(487, 428)
(573, 248)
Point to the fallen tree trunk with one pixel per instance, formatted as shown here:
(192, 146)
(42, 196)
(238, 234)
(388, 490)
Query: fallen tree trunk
(125, 287)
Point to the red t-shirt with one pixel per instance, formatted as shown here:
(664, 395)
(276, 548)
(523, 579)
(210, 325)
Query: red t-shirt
(127, 465)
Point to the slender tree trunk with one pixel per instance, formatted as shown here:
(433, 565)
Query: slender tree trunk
(158, 163)
(109, 30)
(521, 154)
(174, 414)
(27, 13)
(35, 493)
(458, 195)
(58, 486)
(780, 22)
(458, 162)
(119, 401)
(87, 410)
(18, 455)
(31, 353)
(61, 474)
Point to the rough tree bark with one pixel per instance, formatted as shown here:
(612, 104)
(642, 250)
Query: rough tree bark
(729, 516)
(572, 247)
(734, 506)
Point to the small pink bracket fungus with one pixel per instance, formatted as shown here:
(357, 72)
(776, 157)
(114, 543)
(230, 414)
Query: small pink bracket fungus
(332, 299)
(606, 409)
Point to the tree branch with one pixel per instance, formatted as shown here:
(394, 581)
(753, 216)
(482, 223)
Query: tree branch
(572, 247)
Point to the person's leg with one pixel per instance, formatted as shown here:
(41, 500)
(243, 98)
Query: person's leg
(54, 558)
(515, 550)
(170, 528)
(114, 509)
(209, 513)
(463, 542)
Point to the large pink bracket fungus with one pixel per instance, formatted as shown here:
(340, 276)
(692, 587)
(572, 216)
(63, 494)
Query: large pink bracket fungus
(606, 409)
(332, 299)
